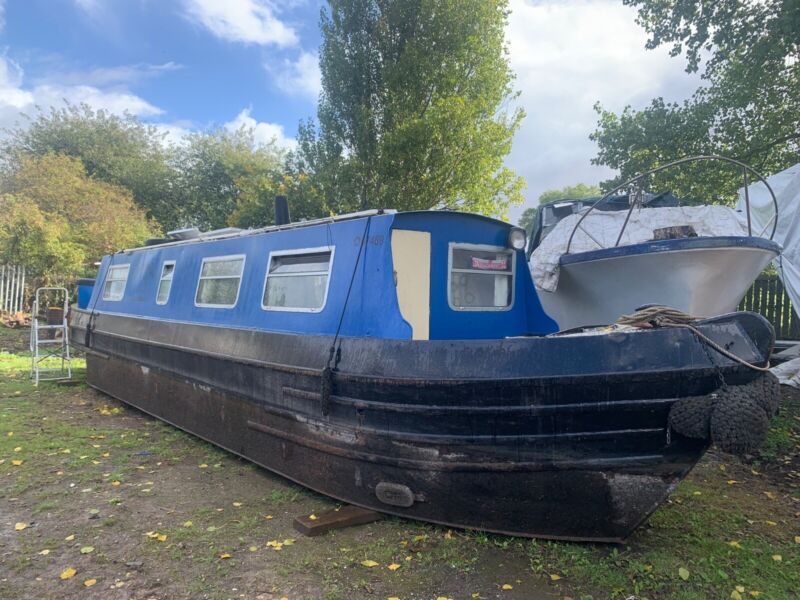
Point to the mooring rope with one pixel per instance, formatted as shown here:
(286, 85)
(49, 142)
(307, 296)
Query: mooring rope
(664, 316)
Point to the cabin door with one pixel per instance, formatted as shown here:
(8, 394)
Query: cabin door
(411, 254)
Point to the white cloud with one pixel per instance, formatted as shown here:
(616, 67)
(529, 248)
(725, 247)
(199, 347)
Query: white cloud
(263, 132)
(119, 75)
(299, 77)
(16, 98)
(246, 21)
(567, 55)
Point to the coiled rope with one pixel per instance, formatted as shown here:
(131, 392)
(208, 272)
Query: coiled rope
(664, 316)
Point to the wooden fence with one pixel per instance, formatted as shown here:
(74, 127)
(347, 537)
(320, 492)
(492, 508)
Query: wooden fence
(768, 297)
(12, 288)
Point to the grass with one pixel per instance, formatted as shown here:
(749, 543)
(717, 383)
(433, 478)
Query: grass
(719, 535)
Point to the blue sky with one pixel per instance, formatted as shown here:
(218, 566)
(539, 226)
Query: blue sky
(188, 65)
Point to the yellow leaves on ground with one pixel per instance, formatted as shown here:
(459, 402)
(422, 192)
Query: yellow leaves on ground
(202, 466)
(506, 586)
(777, 557)
(20, 526)
(17, 462)
(735, 544)
(69, 538)
(115, 483)
(237, 504)
(188, 524)
(797, 539)
(67, 573)
(288, 541)
(732, 482)
(253, 548)
(448, 535)
(443, 598)
(18, 449)
(312, 517)
(369, 563)
(89, 582)
(87, 549)
(224, 556)
(275, 544)
(683, 573)
(44, 552)
(736, 595)
(268, 517)
(770, 495)
(393, 567)
(393, 598)
(554, 577)
(154, 535)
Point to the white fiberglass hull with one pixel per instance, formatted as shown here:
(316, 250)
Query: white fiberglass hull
(704, 277)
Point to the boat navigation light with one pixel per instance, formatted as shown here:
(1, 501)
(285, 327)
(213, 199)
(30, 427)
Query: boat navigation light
(517, 238)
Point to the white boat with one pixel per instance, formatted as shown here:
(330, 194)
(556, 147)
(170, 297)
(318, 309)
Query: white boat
(590, 266)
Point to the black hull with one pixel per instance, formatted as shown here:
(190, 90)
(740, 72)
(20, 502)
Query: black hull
(579, 457)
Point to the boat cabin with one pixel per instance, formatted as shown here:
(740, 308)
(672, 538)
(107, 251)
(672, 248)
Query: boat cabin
(433, 275)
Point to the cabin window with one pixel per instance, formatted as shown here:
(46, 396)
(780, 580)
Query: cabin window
(220, 278)
(165, 282)
(298, 280)
(117, 277)
(481, 277)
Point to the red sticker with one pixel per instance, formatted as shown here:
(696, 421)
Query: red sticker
(486, 264)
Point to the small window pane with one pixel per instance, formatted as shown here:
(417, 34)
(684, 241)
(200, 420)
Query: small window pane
(218, 291)
(306, 291)
(222, 268)
(480, 290)
(165, 283)
(114, 287)
(297, 281)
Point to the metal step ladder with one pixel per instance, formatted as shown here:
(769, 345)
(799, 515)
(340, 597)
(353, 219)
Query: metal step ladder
(50, 335)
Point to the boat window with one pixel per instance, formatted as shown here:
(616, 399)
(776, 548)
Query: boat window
(220, 278)
(298, 281)
(165, 283)
(114, 287)
(481, 278)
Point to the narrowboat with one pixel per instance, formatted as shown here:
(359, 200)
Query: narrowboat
(402, 362)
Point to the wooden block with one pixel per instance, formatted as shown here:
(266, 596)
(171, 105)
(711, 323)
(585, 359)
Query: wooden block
(346, 516)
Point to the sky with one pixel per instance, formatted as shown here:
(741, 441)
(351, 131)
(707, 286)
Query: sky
(189, 65)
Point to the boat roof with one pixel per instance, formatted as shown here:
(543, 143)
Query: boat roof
(232, 232)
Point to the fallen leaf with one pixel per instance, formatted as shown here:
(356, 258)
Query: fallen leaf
(554, 577)
(44, 552)
(10, 433)
(475, 595)
(288, 541)
(393, 567)
(188, 524)
(268, 517)
(224, 555)
(369, 563)
(448, 535)
(67, 573)
(771, 523)
(740, 589)
(20, 526)
(312, 517)
(69, 538)
(237, 504)
(443, 598)
(253, 548)
(161, 537)
(735, 595)
(777, 557)
(18, 449)
(202, 466)
(770, 495)
(16, 462)
(87, 549)
(393, 598)
(735, 544)
(797, 539)
(506, 586)
(755, 593)
(683, 573)
(115, 483)
(89, 582)
(732, 481)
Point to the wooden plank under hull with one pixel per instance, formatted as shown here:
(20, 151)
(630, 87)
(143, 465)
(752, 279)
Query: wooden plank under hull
(548, 500)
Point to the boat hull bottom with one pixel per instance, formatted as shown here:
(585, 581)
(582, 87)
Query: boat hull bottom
(603, 505)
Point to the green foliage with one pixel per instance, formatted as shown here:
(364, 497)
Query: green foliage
(747, 107)
(57, 220)
(118, 150)
(570, 192)
(414, 111)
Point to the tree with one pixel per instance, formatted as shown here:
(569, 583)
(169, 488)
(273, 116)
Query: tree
(414, 111)
(116, 149)
(570, 192)
(57, 220)
(746, 108)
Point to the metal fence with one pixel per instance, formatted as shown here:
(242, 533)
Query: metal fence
(768, 297)
(12, 288)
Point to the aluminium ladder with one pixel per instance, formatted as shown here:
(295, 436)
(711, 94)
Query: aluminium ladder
(50, 341)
